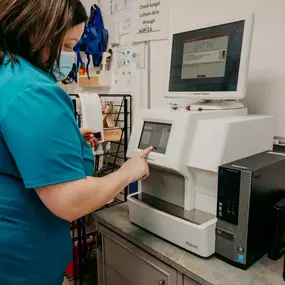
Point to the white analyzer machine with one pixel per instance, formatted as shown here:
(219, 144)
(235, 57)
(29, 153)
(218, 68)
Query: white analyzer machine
(178, 202)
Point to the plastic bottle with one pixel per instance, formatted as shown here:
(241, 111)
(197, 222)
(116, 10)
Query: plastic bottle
(107, 153)
(100, 155)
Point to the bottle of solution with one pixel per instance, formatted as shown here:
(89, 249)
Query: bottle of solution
(100, 156)
(107, 153)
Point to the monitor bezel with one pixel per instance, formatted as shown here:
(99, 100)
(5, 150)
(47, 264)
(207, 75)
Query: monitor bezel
(240, 93)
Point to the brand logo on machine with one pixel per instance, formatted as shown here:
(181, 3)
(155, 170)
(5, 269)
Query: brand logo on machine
(191, 245)
(201, 93)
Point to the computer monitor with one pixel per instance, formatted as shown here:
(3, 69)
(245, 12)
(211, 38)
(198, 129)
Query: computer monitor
(156, 135)
(211, 62)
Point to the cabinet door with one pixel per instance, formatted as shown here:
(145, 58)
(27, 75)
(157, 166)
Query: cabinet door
(113, 278)
(188, 281)
(131, 263)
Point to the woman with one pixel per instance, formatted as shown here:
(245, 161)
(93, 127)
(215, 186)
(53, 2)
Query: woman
(45, 164)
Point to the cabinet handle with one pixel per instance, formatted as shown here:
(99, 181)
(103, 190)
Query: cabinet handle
(162, 282)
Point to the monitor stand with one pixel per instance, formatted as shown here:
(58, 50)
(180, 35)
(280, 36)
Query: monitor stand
(216, 105)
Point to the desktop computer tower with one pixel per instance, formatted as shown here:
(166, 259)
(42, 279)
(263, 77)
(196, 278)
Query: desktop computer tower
(248, 189)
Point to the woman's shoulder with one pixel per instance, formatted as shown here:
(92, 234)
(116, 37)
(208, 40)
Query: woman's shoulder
(22, 75)
(25, 82)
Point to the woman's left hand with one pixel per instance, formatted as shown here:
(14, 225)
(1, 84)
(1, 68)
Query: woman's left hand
(88, 135)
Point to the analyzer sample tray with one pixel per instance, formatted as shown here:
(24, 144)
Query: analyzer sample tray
(194, 216)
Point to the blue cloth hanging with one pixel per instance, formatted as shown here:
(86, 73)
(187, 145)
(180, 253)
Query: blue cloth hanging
(94, 40)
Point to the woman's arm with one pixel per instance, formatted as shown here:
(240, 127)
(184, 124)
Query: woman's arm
(75, 199)
(53, 154)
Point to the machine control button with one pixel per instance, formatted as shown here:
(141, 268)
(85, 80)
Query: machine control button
(240, 249)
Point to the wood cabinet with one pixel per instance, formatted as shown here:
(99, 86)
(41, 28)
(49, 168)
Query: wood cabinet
(122, 263)
(188, 281)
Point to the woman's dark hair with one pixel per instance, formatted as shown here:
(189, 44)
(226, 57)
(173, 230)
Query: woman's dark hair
(28, 27)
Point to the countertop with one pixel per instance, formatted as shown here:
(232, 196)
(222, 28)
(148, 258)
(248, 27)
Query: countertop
(204, 271)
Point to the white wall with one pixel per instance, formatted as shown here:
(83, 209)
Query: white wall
(266, 89)
(267, 70)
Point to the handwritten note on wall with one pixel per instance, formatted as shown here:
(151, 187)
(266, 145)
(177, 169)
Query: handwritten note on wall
(150, 20)
(118, 6)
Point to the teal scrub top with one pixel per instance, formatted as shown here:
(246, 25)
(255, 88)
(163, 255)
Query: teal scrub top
(40, 145)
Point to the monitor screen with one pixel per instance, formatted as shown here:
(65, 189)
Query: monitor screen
(156, 135)
(207, 59)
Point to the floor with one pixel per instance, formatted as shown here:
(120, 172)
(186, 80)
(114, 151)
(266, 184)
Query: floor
(89, 280)
(67, 282)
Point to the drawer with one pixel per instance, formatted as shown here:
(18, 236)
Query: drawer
(188, 281)
(133, 264)
(113, 278)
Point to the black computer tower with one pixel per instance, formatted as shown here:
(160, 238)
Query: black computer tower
(248, 189)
